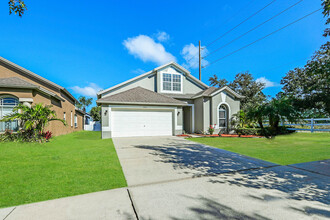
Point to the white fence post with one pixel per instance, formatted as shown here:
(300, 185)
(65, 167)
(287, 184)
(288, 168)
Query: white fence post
(312, 125)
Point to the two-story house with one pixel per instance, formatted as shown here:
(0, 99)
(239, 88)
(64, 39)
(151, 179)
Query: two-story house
(167, 100)
(21, 86)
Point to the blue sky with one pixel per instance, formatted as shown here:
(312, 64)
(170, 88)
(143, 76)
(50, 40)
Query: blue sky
(94, 45)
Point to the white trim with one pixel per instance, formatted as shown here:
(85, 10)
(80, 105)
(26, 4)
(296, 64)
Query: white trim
(75, 121)
(229, 90)
(192, 117)
(140, 107)
(153, 72)
(137, 107)
(71, 120)
(171, 91)
(178, 127)
(229, 113)
(25, 100)
(106, 128)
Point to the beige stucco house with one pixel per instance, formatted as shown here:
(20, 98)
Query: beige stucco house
(19, 85)
(165, 101)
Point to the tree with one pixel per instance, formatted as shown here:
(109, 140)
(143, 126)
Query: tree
(309, 85)
(326, 13)
(244, 84)
(95, 112)
(34, 118)
(276, 110)
(84, 103)
(215, 81)
(17, 7)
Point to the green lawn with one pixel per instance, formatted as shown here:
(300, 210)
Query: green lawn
(68, 165)
(284, 149)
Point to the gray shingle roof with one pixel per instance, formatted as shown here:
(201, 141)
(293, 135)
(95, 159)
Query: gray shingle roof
(15, 82)
(28, 72)
(206, 92)
(139, 95)
(180, 96)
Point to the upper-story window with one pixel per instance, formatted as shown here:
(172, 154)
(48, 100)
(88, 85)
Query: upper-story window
(172, 82)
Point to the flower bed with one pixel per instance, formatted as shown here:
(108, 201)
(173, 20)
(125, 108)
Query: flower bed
(183, 135)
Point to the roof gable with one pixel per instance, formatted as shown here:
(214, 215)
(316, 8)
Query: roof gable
(212, 91)
(171, 64)
(139, 95)
(37, 77)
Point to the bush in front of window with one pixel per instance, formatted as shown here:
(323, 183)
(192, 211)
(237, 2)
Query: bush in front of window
(33, 121)
(25, 136)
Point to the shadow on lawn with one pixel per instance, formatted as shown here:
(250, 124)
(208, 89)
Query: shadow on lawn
(198, 160)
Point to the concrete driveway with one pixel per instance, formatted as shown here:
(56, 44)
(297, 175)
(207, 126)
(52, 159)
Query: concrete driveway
(172, 178)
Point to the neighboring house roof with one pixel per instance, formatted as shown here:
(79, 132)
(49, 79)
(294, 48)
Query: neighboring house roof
(80, 111)
(29, 73)
(15, 82)
(153, 72)
(212, 91)
(139, 95)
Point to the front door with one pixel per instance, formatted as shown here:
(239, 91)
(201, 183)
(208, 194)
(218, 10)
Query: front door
(188, 119)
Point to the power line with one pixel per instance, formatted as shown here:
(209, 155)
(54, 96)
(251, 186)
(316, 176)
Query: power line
(217, 60)
(251, 16)
(193, 56)
(241, 9)
(216, 50)
(284, 64)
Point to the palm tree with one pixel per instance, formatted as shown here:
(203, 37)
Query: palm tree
(84, 102)
(276, 110)
(34, 118)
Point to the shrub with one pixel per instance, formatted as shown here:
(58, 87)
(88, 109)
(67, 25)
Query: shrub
(261, 132)
(25, 136)
(47, 135)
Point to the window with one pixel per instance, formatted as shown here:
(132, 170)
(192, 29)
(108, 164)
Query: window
(222, 116)
(75, 121)
(7, 104)
(64, 116)
(171, 82)
(71, 119)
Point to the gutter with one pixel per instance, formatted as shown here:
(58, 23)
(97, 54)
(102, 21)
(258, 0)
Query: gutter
(141, 103)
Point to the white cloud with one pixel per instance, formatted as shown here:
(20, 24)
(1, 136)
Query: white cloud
(138, 71)
(267, 82)
(89, 90)
(190, 54)
(146, 49)
(162, 36)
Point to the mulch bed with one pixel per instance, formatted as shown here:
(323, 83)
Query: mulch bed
(183, 135)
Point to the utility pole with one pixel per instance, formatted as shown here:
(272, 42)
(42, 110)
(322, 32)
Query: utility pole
(200, 61)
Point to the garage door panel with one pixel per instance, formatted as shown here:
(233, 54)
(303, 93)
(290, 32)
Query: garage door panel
(126, 123)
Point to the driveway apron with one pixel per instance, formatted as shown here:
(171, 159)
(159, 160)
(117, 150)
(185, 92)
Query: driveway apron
(173, 178)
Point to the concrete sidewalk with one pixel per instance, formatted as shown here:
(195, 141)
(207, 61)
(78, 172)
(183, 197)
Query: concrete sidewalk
(173, 178)
(110, 204)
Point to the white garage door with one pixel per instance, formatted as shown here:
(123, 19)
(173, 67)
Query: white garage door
(129, 123)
